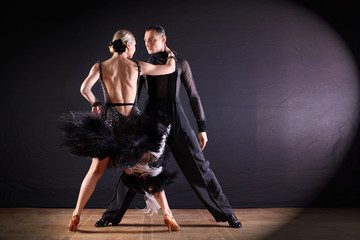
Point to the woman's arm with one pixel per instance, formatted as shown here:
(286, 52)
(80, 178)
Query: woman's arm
(151, 69)
(87, 85)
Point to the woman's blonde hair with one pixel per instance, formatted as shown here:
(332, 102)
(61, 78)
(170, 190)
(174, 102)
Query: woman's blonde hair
(124, 35)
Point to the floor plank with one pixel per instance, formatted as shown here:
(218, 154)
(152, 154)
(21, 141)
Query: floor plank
(266, 223)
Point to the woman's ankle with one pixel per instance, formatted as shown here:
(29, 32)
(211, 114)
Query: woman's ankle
(168, 212)
(76, 212)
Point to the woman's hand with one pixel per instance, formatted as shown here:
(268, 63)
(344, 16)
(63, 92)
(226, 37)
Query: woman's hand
(96, 110)
(167, 49)
(202, 137)
(167, 68)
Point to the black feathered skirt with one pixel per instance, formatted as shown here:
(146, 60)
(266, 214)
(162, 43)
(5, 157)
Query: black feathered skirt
(135, 144)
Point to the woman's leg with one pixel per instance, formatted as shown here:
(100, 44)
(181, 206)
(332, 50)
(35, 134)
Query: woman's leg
(162, 200)
(169, 220)
(88, 185)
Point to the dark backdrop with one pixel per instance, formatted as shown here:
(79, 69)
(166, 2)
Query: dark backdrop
(278, 82)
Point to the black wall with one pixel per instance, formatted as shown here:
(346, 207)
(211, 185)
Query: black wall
(278, 81)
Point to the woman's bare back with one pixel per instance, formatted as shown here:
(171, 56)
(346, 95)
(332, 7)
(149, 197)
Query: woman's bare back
(120, 79)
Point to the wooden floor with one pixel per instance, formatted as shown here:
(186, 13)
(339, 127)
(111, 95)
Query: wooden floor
(269, 223)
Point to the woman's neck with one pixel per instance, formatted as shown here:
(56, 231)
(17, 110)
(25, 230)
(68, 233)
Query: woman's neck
(122, 56)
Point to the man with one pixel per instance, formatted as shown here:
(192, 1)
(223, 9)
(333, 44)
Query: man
(186, 148)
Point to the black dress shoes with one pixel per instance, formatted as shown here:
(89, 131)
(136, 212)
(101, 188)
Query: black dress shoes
(103, 223)
(234, 222)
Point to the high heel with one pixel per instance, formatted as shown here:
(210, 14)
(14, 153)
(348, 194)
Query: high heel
(171, 223)
(73, 225)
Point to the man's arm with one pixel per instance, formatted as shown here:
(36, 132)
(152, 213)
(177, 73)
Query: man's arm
(195, 101)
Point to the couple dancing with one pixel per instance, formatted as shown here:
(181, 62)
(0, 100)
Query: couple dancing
(119, 135)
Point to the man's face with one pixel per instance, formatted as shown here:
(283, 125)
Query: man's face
(154, 42)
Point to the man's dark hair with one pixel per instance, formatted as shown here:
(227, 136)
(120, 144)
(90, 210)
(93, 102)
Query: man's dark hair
(159, 29)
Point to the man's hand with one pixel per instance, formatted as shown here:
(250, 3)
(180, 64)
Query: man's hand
(202, 137)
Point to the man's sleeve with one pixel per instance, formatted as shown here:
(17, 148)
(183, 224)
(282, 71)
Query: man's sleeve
(194, 98)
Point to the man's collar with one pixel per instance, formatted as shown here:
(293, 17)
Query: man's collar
(159, 55)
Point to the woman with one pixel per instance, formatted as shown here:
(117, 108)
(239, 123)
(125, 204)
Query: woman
(126, 139)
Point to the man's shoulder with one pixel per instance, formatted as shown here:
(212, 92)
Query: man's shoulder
(182, 62)
(180, 59)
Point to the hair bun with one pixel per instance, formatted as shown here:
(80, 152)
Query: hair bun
(118, 46)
